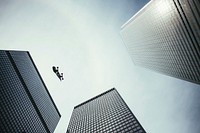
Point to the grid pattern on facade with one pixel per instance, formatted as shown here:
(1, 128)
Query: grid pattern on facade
(105, 113)
(165, 37)
(36, 89)
(17, 114)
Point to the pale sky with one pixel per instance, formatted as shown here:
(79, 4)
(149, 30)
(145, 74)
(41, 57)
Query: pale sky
(83, 39)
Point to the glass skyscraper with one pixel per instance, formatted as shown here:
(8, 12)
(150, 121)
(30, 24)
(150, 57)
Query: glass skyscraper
(25, 103)
(164, 36)
(104, 113)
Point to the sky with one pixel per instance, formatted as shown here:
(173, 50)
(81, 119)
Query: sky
(83, 39)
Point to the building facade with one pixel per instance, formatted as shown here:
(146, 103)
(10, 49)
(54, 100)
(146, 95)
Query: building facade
(104, 113)
(164, 36)
(25, 103)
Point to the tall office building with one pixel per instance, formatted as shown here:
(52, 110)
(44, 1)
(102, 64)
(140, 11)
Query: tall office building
(25, 103)
(165, 36)
(104, 113)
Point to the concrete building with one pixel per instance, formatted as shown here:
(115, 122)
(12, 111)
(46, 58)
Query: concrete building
(164, 36)
(104, 113)
(25, 103)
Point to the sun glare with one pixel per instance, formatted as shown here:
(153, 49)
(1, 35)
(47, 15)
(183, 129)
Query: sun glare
(163, 6)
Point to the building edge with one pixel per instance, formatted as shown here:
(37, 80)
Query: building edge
(43, 84)
(136, 15)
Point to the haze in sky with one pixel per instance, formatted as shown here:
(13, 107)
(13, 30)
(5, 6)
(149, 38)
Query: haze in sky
(83, 39)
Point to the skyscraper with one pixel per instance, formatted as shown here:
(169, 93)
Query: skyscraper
(25, 103)
(104, 113)
(164, 36)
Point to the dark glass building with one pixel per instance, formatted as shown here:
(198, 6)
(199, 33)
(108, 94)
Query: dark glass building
(25, 103)
(164, 36)
(104, 113)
